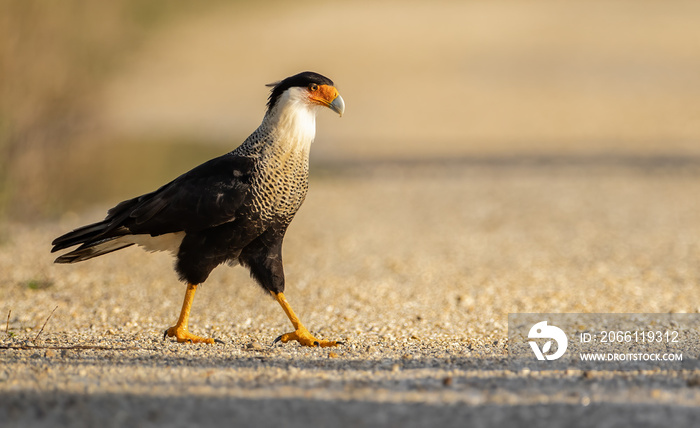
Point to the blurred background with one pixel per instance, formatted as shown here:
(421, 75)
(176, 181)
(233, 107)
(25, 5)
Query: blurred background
(105, 100)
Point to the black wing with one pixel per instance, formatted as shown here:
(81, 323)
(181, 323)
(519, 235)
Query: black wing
(204, 197)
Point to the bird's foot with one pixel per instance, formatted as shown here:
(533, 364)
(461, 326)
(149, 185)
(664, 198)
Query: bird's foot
(305, 338)
(184, 336)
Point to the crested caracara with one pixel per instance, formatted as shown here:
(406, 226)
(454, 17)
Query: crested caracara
(233, 209)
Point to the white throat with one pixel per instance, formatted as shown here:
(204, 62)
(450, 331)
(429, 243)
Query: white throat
(293, 119)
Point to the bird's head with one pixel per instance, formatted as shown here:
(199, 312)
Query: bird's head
(308, 88)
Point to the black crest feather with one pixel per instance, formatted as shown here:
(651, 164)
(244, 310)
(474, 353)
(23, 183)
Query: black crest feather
(302, 79)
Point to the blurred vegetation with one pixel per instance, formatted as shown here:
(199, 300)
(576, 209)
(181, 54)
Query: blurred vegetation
(110, 172)
(53, 57)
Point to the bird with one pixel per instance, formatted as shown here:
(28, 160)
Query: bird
(233, 209)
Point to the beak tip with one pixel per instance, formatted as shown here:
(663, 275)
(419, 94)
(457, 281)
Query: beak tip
(338, 105)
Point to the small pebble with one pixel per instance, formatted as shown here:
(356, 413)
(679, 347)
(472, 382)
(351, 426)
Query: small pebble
(253, 346)
(694, 381)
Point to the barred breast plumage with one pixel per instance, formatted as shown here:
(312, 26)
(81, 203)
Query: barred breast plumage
(280, 182)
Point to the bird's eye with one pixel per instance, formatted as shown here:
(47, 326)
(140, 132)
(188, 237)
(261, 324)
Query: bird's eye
(313, 87)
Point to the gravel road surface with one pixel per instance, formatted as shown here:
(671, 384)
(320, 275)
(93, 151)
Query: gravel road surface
(415, 268)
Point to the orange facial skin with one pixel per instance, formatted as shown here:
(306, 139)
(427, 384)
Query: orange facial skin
(323, 94)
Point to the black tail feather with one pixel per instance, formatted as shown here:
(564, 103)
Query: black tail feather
(88, 251)
(94, 240)
(80, 235)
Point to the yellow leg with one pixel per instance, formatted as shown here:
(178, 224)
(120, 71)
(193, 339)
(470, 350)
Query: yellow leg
(300, 333)
(179, 330)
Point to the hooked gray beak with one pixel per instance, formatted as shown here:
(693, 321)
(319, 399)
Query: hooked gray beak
(338, 105)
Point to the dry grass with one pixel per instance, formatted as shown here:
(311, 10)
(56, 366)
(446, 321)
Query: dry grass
(54, 57)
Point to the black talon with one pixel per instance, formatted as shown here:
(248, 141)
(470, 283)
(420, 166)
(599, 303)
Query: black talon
(165, 334)
(316, 343)
(219, 341)
(339, 343)
(276, 340)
